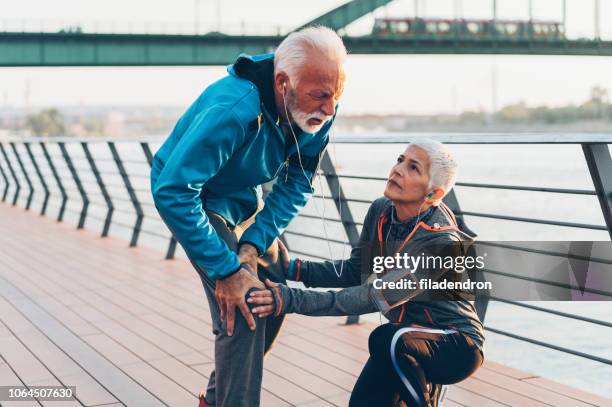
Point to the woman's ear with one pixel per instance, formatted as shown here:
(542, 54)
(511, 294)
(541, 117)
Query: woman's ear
(435, 195)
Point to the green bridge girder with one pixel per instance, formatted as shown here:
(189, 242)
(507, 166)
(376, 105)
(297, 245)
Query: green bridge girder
(83, 49)
(345, 14)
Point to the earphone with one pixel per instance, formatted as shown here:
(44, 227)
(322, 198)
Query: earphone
(321, 215)
(430, 195)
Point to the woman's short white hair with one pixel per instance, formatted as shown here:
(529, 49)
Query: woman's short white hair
(442, 166)
(292, 53)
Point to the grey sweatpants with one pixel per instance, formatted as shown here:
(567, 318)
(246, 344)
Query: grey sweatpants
(236, 380)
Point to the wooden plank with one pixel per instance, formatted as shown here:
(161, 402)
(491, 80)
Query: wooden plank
(56, 403)
(305, 362)
(308, 381)
(194, 358)
(341, 400)
(187, 376)
(111, 349)
(571, 392)
(267, 398)
(151, 377)
(451, 403)
(288, 391)
(506, 370)
(352, 352)
(9, 378)
(165, 389)
(23, 362)
(121, 386)
(499, 394)
(526, 389)
(65, 369)
(468, 398)
(325, 355)
(99, 317)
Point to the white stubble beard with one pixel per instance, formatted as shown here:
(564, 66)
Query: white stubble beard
(301, 118)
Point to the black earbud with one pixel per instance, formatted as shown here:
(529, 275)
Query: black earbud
(430, 195)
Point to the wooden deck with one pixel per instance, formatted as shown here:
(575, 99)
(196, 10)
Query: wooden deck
(128, 328)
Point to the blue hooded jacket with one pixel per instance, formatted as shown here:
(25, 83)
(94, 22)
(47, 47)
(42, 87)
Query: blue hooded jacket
(224, 147)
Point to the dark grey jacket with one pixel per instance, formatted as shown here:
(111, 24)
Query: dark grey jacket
(435, 234)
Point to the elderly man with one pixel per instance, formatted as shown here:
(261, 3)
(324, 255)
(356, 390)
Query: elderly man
(269, 119)
(432, 337)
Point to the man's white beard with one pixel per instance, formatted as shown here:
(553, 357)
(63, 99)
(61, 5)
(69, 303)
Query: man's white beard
(301, 118)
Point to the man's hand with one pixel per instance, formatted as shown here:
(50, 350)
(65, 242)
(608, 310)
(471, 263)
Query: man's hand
(248, 255)
(231, 291)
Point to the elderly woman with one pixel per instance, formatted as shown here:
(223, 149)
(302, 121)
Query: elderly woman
(433, 338)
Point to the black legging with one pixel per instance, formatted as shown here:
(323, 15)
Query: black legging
(422, 357)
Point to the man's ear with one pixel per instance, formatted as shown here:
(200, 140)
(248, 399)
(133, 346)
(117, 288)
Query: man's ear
(281, 82)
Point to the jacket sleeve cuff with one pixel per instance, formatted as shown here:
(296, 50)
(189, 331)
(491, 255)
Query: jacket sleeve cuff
(294, 272)
(251, 239)
(277, 295)
(230, 271)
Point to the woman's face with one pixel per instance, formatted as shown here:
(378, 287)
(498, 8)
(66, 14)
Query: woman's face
(409, 178)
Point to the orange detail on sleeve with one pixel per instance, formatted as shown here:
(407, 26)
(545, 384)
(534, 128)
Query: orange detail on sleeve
(280, 302)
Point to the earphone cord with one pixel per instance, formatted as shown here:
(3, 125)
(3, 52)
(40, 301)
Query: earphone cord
(415, 223)
(345, 244)
(322, 216)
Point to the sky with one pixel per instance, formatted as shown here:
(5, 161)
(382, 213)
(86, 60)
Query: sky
(415, 84)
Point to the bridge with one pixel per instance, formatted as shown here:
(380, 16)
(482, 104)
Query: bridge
(75, 46)
(95, 293)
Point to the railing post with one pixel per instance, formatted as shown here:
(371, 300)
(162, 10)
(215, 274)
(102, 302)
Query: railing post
(343, 209)
(339, 199)
(25, 175)
(149, 156)
(60, 215)
(100, 181)
(78, 183)
(40, 178)
(130, 190)
(12, 171)
(481, 302)
(6, 183)
(598, 160)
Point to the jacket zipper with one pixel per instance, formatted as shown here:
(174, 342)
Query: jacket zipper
(286, 169)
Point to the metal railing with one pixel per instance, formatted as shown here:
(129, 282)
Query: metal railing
(107, 180)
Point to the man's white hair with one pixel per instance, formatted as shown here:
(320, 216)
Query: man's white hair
(442, 166)
(292, 53)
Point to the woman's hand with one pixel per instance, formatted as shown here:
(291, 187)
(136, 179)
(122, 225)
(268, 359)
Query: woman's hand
(264, 300)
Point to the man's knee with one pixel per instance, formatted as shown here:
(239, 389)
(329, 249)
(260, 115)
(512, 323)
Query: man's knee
(241, 328)
(379, 343)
